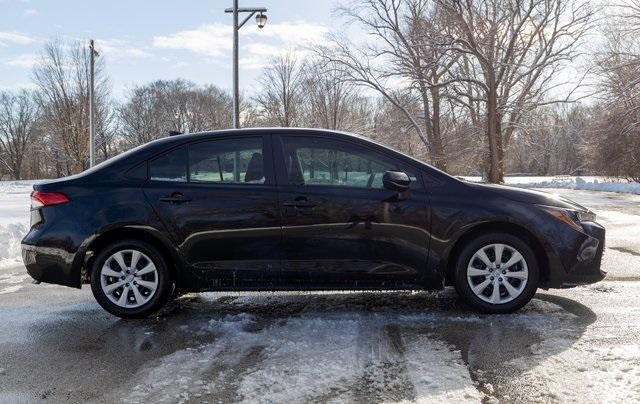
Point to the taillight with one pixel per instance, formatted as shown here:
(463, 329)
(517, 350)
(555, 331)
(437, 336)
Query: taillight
(40, 199)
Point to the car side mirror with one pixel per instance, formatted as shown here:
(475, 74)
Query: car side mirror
(396, 181)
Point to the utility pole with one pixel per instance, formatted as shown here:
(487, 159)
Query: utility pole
(261, 20)
(92, 133)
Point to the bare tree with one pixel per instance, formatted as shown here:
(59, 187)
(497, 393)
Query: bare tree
(615, 139)
(551, 141)
(18, 114)
(518, 48)
(162, 106)
(331, 101)
(403, 60)
(61, 77)
(391, 127)
(280, 97)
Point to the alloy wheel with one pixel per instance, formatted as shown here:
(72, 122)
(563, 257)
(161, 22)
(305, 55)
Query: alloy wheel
(129, 278)
(497, 273)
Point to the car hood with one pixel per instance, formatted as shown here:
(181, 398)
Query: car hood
(529, 196)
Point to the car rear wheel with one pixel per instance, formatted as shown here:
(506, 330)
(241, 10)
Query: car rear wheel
(130, 279)
(497, 273)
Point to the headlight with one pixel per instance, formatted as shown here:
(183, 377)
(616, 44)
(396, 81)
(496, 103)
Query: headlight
(570, 217)
(587, 216)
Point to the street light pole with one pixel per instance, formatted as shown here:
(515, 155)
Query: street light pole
(236, 79)
(92, 134)
(261, 20)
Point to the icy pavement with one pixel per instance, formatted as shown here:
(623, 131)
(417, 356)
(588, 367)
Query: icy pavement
(579, 345)
(392, 347)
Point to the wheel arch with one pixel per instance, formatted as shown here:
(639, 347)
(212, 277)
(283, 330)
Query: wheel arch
(149, 236)
(491, 227)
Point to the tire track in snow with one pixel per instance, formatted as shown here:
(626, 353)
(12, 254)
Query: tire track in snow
(383, 366)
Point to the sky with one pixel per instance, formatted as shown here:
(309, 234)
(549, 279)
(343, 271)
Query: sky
(144, 40)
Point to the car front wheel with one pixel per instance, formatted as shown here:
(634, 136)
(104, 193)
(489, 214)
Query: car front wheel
(497, 273)
(130, 279)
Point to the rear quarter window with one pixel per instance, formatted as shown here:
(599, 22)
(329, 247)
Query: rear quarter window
(171, 166)
(138, 172)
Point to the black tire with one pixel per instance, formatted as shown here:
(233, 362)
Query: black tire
(464, 289)
(164, 286)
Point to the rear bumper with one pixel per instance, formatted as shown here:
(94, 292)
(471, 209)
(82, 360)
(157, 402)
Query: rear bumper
(51, 265)
(587, 260)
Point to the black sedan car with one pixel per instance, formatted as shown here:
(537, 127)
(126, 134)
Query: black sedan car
(299, 209)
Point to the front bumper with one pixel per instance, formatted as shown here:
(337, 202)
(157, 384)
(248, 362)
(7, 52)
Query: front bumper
(51, 265)
(586, 262)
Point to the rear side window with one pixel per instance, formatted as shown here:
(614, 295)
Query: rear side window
(171, 166)
(228, 161)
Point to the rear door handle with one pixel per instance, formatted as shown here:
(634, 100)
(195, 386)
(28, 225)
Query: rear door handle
(176, 197)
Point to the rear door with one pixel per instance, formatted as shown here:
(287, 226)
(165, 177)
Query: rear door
(340, 226)
(218, 200)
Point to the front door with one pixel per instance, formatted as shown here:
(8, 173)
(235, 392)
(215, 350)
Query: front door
(218, 201)
(340, 226)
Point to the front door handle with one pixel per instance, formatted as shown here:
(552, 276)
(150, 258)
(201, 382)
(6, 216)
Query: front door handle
(176, 197)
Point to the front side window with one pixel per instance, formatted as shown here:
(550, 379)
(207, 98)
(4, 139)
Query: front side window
(227, 161)
(315, 161)
(171, 166)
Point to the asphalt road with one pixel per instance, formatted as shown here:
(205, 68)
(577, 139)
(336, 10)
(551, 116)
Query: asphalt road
(578, 345)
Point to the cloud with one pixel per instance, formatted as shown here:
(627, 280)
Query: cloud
(294, 33)
(215, 41)
(30, 11)
(25, 60)
(119, 49)
(15, 86)
(257, 55)
(209, 40)
(7, 38)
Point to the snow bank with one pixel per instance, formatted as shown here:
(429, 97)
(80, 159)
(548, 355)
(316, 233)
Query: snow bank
(585, 183)
(589, 183)
(14, 219)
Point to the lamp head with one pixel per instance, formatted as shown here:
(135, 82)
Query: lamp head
(261, 20)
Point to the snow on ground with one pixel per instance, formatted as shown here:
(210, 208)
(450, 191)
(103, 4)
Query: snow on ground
(588, 183)
(338, 348)
(603, 364)
(609, 373)
(14, 219)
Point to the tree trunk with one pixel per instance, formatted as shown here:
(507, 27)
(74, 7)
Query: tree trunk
(432, 128)
(439, 158)
(494, 137)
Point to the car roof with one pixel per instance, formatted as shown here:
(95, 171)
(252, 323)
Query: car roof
(271, 130)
